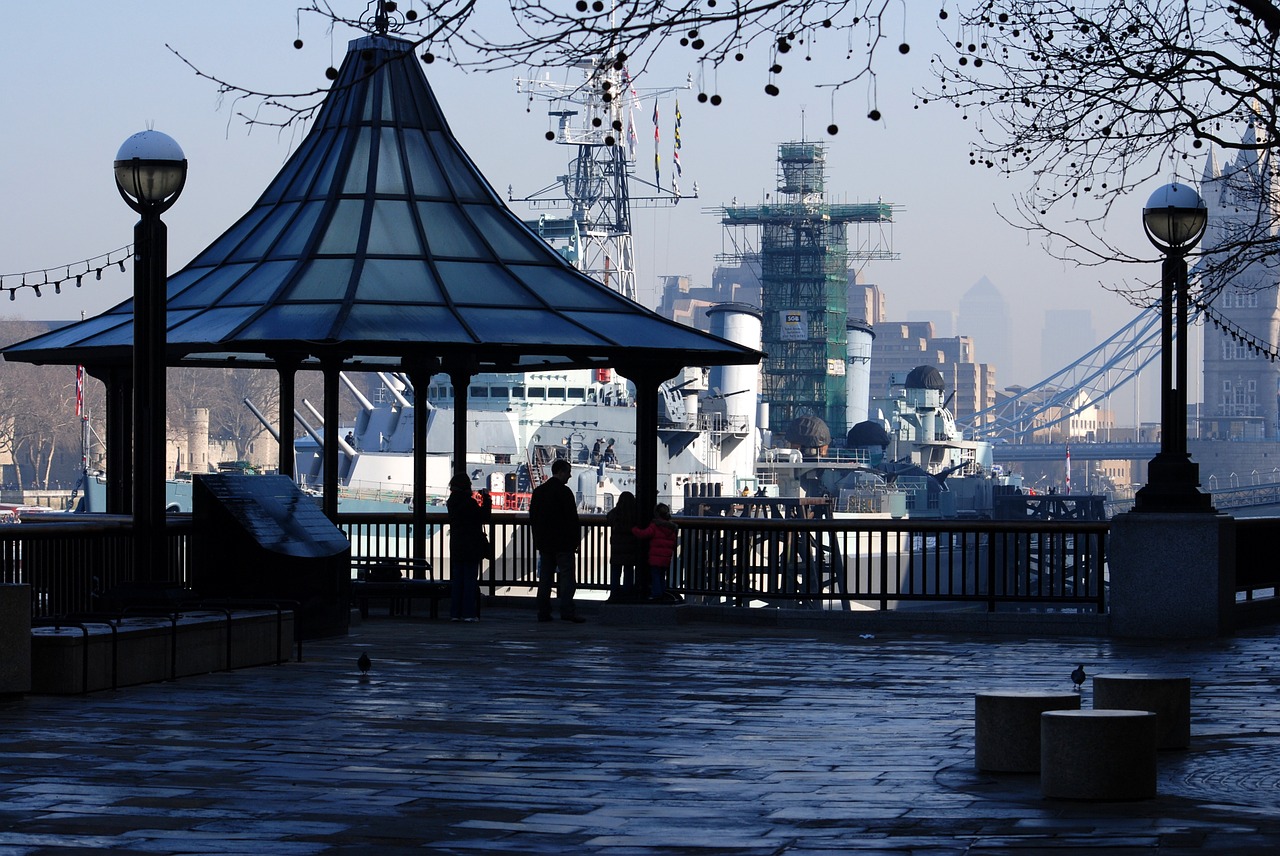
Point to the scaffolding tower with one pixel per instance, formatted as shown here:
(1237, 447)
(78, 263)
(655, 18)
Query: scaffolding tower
(805, 260)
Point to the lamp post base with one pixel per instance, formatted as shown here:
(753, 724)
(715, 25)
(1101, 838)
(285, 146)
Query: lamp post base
(1173, 486)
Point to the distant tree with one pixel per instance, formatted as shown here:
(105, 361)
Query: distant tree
(39, 428)
(1091, 101)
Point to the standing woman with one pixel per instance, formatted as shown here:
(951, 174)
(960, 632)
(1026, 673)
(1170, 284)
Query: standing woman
(624, 547)
(468, 547)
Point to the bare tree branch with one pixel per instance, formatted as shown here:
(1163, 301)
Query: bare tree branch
(1092, 102)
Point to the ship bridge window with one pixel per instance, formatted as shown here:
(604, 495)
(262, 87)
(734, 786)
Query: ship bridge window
(555, 392)
(499, 392)
(517, 392)
(479, 392)
(578, 394)
(537, 392)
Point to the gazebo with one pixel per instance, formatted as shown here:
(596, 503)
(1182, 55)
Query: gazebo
(380, 246)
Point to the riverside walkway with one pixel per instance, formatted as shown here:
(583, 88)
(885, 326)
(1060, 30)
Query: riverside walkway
(511, 736)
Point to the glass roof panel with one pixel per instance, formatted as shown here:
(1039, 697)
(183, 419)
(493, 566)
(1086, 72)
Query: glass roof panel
(115, 336)
(218, 250)
(381, 322)
(265, 235)
(211, 325)
(525, 326)
(182, 279)
(461, 178)
(304, 173)
(392, 231)
(282, 322)
(632, 328)
(509, 239)
(406, 109)
(261, 286)
(424, 172)
(323, 185)
(478, 282)
(390, 171)
(357, 179)
(402, 280)
(174, 317)
(388, 103)
(294, 242)
(565, 289)
(368, 104)
(324, 279)
(448, 234)
(74, 334)
(344, 228)
(207, 290)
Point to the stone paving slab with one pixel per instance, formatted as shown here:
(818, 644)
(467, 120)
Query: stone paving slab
(510, 736)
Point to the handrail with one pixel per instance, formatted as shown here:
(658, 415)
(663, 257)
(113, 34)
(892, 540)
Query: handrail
(832, 563)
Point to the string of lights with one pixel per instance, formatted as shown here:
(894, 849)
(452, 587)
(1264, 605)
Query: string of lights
(72, 273)
(1237, 333)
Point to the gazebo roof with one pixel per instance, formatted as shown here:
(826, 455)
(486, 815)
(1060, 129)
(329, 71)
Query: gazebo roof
(379, 243)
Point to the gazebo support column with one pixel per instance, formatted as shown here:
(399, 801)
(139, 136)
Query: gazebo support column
(330, 433)
(647, 378)
(420, 376)
(460, 371)
(287, 369)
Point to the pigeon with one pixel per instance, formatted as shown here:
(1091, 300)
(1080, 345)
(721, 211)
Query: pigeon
(363, 663)
(1077, 677)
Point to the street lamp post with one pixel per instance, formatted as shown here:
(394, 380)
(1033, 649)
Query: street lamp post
(150, 171)
(1175, 220)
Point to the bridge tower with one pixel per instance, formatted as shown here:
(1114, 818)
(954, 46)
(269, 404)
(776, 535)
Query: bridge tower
(1241, 385)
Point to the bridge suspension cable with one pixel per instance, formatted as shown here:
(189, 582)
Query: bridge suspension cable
(1098, 375)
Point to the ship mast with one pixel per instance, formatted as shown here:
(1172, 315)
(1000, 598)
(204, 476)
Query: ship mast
(595, 115)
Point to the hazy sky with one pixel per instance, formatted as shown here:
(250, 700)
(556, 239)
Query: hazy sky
(82, 76)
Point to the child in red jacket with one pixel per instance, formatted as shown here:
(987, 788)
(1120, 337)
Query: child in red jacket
(661, 534)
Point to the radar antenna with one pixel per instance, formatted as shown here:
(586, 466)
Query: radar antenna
(596, 116)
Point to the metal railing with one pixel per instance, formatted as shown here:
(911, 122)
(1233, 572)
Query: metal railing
(834, 564)
(820, 564)
(70, 565)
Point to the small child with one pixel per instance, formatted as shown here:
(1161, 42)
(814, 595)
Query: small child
(661, 534)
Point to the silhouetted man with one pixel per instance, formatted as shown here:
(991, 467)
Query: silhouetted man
(553, 514)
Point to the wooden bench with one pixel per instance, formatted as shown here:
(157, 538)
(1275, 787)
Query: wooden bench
(397, 579)
(1098, 754)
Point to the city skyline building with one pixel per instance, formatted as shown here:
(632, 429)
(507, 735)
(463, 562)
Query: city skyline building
(984, 315)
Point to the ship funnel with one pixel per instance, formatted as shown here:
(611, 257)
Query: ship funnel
(739, 323)
(857, 376)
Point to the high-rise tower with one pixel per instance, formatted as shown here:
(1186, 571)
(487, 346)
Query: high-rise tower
(804, 258)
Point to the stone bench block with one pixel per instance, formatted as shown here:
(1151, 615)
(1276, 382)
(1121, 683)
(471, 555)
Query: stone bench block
(144, 649)
(1007, 727)
(1098, 754)
(1167, 696)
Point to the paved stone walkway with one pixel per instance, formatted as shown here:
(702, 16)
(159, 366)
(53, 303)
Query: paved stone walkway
(510, 736)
